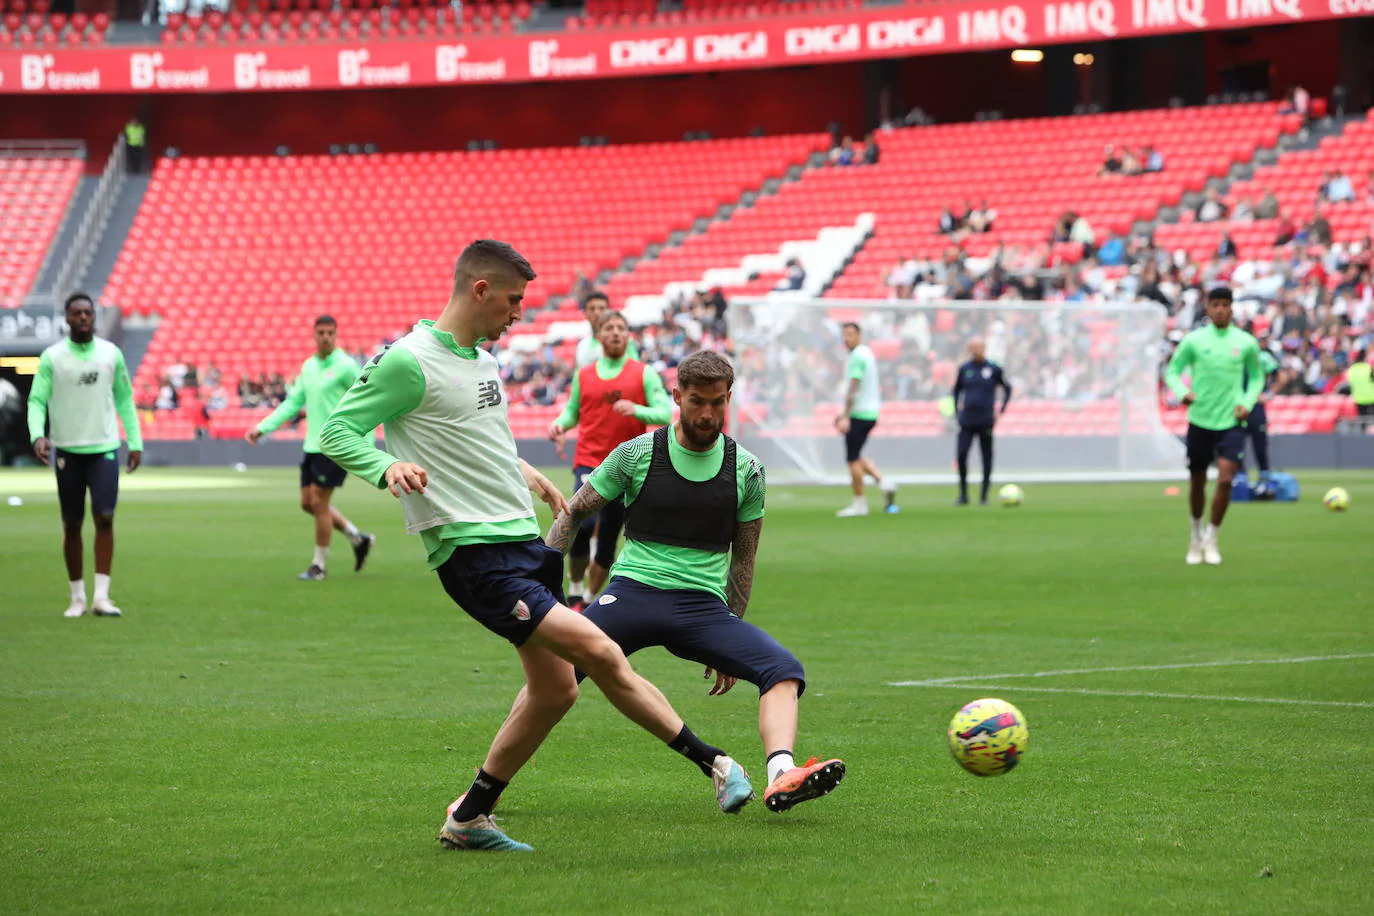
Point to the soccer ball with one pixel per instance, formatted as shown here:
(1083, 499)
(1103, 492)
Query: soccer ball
(1336, 499)
(988, 737)
(1011, 496)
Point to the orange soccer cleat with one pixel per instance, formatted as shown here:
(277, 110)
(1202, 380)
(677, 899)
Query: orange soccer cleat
(803, 783)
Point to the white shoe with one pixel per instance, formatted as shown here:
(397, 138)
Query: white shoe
(1210, 553)
(1194, 551)
(853, 511)
(104, 607)
(75, 609)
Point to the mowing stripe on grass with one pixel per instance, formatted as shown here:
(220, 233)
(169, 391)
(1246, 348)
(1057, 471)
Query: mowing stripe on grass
(964, 678)
(1149, 694)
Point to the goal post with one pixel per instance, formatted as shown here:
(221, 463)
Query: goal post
(1085, 379)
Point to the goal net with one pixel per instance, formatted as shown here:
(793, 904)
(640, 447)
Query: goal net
(1085, 378)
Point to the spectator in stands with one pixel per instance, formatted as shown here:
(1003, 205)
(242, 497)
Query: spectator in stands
(1111, 163)
(949, 223)
(1339, 189)
(871, 150)
(1063, 229)
(1297, 100)
(1268, 206)
(167, 397)
(135, 143)
(1319, 230)
(981, 218)
(1154, 159)
(1082, 232)
(844, 153)
(1289, 381)
(1131, 163)
(1226, 248)
(1243, 211)
(793, 278)
(1212, 207)
(192, 378)
(901, 279)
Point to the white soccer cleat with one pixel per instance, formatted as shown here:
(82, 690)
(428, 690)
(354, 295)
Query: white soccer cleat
(104, 607)
(1194, 552)
(1210, 553)
(853, 511)
(75, 609)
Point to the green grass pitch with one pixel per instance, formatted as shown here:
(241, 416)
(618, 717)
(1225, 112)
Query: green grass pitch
(241, 742)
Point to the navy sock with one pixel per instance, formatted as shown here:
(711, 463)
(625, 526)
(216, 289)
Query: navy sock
(481, 797)
(695, 750)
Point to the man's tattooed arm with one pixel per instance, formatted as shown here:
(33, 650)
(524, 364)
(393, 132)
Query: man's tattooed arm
(585, 503)
(743, 550)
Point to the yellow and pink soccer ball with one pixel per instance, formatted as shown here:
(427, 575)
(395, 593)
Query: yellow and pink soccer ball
(1336, 499)
(988, 737)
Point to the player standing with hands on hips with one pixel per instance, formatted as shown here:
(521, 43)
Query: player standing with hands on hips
(466, 492)
(1226, 377)
(975, 396)
(81, 385)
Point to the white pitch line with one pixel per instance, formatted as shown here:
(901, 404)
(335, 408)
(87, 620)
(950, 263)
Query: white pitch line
(931, 682)
(1143, 693)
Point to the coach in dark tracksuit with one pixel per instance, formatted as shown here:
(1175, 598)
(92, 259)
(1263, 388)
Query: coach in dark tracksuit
(975, 396)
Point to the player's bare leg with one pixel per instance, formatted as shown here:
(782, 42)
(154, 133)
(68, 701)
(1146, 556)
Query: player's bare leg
(101, 605)
(596, 578)
(315, 503)
(857, 505)
(1197, 502)
(789, 784)
(1221, 501)
(74, 553)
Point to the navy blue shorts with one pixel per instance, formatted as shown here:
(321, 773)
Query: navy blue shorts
(320, 471)
(1205, 445)
(611, 520)
(693, 625)
(76, 473)
(507, 588)
(854, 440)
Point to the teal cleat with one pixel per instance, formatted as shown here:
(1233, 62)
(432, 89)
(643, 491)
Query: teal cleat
(733, 790)
(480, 833)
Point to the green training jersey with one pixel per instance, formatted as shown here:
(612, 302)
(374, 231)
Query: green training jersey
(78, 390)
(658, 412)
(662, 565)
(863, 365)
(317, 390)
(441, 406)
(1224, 371)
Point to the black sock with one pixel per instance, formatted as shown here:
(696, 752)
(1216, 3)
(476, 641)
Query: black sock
(695, 750)
(481, 798)
(986, 484)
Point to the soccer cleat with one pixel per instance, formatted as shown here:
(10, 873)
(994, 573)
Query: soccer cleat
(890, 496)
(1194, 552)
(854, 510)
(75, 609)
(1210, 553)
(733, 790)
(961, 501)
(803, 783)
(104, 607)
(480, 833)
(313, 574)
(362, 549)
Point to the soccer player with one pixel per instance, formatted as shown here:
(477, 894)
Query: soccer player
(595, 307)
(613, 399)
(861, 405)
(319, 385)
(81, 385)
(975, 394)
(1226, 377)
(1257, 424)
(695, 513)
(466, 492)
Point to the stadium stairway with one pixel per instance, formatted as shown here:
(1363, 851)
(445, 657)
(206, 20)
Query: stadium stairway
(66, 232)
(122, 215)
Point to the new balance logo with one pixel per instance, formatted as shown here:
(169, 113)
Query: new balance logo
(88, 378)
(488, 394)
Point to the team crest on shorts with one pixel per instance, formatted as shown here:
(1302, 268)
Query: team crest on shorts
(521, 611)
(606, 599)
(61, 463)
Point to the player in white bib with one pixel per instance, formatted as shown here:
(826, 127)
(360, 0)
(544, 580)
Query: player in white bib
(466, 492)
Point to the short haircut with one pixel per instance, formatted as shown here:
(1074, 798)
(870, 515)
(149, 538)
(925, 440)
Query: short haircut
(613, 316)
(596, 294)
(77, 297)
(488, 259)
(326, 319)
(1220, 292)
(705, 367)
(851, 324)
